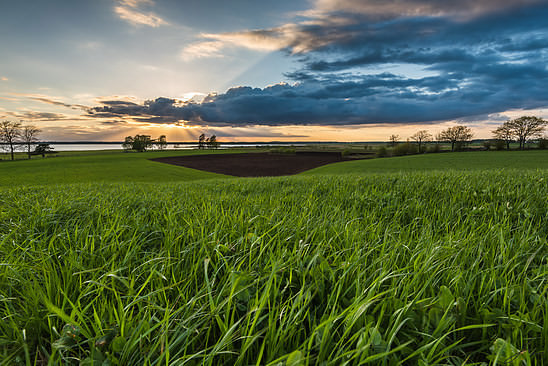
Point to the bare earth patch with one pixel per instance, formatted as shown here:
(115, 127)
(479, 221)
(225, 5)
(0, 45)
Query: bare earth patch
(255, 164)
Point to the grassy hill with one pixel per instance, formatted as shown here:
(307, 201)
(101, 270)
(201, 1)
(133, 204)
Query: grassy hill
(480, 160)
(116, 166)
(98, 166)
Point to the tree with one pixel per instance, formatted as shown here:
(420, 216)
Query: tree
(526, 128)
(212, 142)
(457, 136)
(142, 142)
(504, 133)
(161, 143)
(138, 143)
(394, 140)
(9, 133)
(128, 143)
(29, 135)
(420, 137)
(201, 142)
(43, 149)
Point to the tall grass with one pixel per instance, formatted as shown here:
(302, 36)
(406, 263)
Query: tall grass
(424, 268)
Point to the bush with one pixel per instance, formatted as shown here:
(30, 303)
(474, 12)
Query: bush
(500, 145)
(284, 150)
(346, 152)
(381, 152)
(543, 143)
(405, 149)
(487, 144)
(436, 148)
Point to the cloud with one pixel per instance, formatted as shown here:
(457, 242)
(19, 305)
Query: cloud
(359, 62)
(49, 100)
(369, 62)
(397, 8)
(213, 44)
(3, 78)
(353, 100)
(130, 10)
(344, 22)
(208, 49)
(290, 37)
(39, 116)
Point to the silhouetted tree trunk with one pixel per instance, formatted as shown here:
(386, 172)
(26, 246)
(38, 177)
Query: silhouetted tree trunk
(9, 132)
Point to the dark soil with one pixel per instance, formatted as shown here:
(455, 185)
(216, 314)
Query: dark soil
(256, 164)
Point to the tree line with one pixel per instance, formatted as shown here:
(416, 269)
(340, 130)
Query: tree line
(521, 130)
(16, 135)
(458, 136)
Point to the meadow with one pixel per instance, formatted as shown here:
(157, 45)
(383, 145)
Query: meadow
(423, 260)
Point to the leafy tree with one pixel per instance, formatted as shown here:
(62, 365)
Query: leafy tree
(201, 142)
(142, 142)
(29, 135)
(458, 136)
(394, 140)
(504, 133)
(138, 143)
(43, 149)
(161, 143)
(9, 133)
(128, 143)
(526, 128)
(421, 137)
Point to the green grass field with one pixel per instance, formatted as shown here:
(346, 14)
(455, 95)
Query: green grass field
(399, 262)
(98, 166)
(116, 166)
(480, 160)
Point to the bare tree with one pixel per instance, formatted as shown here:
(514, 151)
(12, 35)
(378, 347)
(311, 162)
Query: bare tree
(526, 128)
(394, 140)
(201, 141)
(212, 142)
(29, 135)
(421, 137)
(504, 133)
(9, 132)
(457, 136)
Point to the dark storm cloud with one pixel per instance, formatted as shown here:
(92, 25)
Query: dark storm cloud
(476, 63)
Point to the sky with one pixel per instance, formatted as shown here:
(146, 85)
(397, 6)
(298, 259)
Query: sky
(285, 70)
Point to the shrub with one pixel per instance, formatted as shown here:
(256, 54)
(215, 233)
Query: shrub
(487, 144)
(500, 145)
(346, 152)
(284, 150)
(381, 152)
(543, 143)
(405, 149)
(436, 148)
